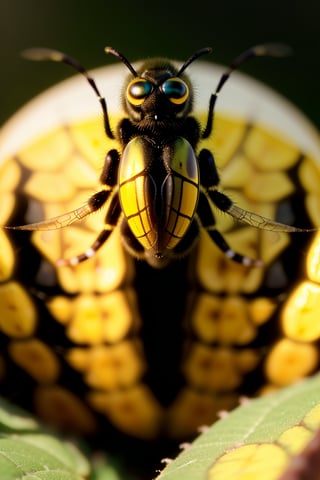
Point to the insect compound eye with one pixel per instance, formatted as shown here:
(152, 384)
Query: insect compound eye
(176, 90)
(137, 90)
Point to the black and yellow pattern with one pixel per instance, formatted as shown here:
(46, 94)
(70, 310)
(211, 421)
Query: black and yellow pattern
(137, 192)
(155, 353)
(86, 320)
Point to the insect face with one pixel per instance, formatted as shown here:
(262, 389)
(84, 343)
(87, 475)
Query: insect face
(158, 94)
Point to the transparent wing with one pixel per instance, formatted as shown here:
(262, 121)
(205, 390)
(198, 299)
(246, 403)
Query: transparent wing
(57, 222)
(264, 223)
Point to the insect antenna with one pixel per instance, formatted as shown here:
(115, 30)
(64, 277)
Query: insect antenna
(265, 50)
(123, 59)
(40, 54)
(199, 53)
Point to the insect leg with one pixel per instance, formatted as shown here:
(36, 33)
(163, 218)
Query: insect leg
(209, 179)
(108, 177)
(208, 222)
(111, 221)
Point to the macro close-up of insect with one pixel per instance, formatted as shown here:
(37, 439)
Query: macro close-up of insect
(160, 260)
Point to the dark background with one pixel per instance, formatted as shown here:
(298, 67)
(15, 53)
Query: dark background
(174, 29)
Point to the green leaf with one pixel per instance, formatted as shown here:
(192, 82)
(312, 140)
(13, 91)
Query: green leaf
(256, 440)
(29, 452)
(106, 471)
(13, 418)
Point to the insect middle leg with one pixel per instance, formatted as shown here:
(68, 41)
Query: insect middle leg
(208, 222)
(108, 177)
(111, 221)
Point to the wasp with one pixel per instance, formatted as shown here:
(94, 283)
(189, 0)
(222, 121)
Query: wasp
(185, 329)
(161, 187)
